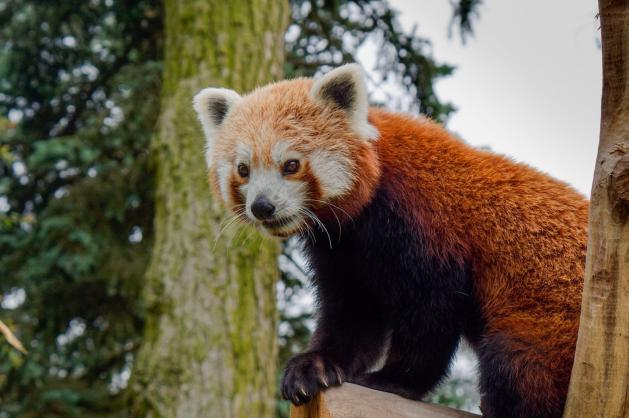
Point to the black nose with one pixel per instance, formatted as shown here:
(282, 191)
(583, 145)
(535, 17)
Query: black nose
(262, 208)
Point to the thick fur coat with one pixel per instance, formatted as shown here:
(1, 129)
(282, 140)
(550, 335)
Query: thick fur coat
(415, 239)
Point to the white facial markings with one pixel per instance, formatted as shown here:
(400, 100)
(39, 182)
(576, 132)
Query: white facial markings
(223, 171)
(225, 168)
(286, 196)
(243, 153)
(281, 152)
(212, 106)
(207, 151)
(287, 228)
(333, 172)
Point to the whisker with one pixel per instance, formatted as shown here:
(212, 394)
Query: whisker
(244, 232)
(251, 233)
(339, 224)
(307, 225)
(321, 225)
(331, 205)
(229, 222)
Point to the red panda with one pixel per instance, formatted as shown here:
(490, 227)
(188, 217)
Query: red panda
(415, 240)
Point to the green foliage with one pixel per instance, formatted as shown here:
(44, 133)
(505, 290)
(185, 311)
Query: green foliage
(464, 12)
(75, 187)
(79, 97)
(326, 33)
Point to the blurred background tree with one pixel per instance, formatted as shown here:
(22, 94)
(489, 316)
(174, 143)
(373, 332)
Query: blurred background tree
(210, 291)
(80, 90)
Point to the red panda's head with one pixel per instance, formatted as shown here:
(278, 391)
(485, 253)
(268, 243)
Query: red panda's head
(292, 150)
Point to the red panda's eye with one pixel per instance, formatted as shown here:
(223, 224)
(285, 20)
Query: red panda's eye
(291, 166)
(243, 170)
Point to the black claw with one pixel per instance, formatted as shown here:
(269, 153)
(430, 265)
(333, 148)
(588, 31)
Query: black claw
(308, 374)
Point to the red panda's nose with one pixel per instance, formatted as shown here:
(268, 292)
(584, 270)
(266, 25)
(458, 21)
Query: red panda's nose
(262, 208)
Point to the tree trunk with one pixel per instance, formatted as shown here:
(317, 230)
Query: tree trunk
(600, 377)
(210, 341)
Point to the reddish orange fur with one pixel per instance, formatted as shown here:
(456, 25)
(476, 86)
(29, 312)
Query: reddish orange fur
(284, 110)
(306, 175)
(523, 232)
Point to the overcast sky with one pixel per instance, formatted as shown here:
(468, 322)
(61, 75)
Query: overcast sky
(527, 84)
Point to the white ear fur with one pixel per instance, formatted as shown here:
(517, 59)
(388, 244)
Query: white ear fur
(212, 106)
(345, 87)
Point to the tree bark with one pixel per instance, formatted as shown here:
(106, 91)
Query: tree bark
(210, 340)
(600, 377)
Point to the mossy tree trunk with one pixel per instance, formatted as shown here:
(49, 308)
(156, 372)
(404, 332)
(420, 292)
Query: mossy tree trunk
(600, 378)
(210, 342)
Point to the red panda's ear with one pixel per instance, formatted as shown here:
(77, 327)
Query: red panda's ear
(212, 106)
(345, 88)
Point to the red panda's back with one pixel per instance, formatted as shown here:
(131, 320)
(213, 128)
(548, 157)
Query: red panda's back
(523, 233)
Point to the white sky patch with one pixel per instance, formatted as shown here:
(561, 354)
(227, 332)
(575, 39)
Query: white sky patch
(4, 204)
(19, 168)
(120, 380)
(14, 299)
(69, 41)
(136, 235)
(116, 116)
(15, 115)
(527, 84)
(61, 192)
(76, 328)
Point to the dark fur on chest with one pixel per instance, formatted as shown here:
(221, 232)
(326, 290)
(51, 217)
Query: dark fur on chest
(378, 262)
(381, 295)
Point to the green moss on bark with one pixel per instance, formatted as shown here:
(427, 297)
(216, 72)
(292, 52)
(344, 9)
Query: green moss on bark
(209, 347)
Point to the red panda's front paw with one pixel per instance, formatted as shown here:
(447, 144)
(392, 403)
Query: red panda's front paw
(306, 375)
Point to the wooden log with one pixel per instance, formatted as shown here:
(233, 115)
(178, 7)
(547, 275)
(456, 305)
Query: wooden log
(353, 401)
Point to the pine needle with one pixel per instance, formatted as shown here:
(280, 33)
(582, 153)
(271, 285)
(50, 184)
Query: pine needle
(11, 339)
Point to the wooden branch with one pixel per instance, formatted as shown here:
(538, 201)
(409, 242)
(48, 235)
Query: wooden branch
(11, 339)
(353, 401)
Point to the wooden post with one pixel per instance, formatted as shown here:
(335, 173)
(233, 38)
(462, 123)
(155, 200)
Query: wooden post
(353, 401)
(600, 377)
